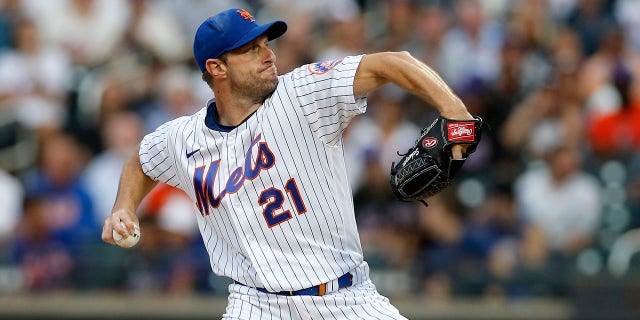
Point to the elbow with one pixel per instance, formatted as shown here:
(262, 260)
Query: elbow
(398, 56)
(388, 63)
(404, 55)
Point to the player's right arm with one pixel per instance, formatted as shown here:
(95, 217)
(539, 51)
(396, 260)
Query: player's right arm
(414, 76)
(134, 186)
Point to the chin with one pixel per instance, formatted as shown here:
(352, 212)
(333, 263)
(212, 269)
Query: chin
(271, 83)
(268, 87)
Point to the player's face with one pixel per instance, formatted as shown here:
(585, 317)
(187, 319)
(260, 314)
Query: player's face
(252, 70)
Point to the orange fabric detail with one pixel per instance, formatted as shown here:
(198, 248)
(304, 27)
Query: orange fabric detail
(245, 14)
(615, 132)
(158, 196)
(322, 289)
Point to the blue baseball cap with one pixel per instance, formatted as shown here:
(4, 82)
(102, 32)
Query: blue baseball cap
(229, 30)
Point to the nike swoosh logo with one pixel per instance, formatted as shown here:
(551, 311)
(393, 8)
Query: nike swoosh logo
(189, 154)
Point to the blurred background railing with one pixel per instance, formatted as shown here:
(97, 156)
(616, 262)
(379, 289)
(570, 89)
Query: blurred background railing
(544, 217)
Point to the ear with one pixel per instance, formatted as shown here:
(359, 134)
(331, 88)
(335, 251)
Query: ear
(216, 67)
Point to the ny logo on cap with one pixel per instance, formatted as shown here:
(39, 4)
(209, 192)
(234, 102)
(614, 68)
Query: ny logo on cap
(245, 14)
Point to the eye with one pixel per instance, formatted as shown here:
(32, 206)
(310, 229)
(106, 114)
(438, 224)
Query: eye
(251, 49)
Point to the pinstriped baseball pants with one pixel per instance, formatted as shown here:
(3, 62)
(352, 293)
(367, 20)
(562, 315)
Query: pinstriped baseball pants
(359, 301)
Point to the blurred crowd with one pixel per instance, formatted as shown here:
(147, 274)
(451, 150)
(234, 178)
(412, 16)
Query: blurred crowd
(554, 184)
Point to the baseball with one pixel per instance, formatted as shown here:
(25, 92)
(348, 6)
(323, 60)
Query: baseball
(129, 241)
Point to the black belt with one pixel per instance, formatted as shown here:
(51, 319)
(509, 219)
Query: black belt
(344, 280)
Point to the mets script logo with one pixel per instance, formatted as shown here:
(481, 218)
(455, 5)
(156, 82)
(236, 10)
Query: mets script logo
(203, 182)
(323, 67)
(429, 142)
(461, 131)
(245, 14)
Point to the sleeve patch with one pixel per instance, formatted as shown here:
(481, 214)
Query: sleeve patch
(323, 67)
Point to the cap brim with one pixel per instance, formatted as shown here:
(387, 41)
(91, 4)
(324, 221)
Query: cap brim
(272, 30)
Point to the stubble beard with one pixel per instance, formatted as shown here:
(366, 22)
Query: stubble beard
(254, 88)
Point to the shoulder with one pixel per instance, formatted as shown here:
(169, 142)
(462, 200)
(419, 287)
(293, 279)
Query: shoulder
(320, 68)
(183, 121)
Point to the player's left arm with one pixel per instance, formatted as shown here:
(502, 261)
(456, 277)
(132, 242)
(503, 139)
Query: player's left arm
(133, 187)
(413, 76)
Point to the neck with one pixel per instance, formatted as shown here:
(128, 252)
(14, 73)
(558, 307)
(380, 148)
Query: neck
(232, 111)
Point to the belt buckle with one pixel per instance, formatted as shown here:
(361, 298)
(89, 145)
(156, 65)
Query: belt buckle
(290, 293)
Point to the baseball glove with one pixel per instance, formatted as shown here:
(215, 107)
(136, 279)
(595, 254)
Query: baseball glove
(428, 167)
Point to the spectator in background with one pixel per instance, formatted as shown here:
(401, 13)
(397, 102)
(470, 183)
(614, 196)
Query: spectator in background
(189, 13)
(173, 257)
(530, 20)
(173, 97)
(383, 222)
(174, 213)
(9, 11)
(565, 51)
(379, 136)
(626, 13)
(524, 49)
(154, 31)
(525, 67)
(34, 79)
(491, 244)
(399, 25)
(321, 30)
(101, 95)
(545, 116)
(591, 19)
(11, 198)
(371, 144)
(67, 204)
(602, 97)
(325, 12)
(121, 133)
(562, 200)
(471, 48)
(90, 31)
(618, 134)
(121, 85)
(608, 82)
(432, 24)
(45, 261)
(440, 228)
(298, 47)
(477, 252)
(346, 36)
(559, 10)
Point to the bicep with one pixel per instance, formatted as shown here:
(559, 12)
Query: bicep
(374, 70)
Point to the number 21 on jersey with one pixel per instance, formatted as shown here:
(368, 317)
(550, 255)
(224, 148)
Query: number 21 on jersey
(273, 199)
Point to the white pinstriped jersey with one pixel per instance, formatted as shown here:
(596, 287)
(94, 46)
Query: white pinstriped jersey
(276, 206)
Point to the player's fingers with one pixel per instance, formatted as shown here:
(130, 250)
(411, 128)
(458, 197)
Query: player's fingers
(128, 225)
(129, 222)
(116, 218)
(107, 233)
(457, 151)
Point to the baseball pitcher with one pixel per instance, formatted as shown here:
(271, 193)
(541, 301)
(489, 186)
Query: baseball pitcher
(263, 163)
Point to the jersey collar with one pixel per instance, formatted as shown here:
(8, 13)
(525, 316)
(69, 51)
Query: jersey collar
(211, 119)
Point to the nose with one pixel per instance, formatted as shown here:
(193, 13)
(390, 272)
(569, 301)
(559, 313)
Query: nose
(270, 56)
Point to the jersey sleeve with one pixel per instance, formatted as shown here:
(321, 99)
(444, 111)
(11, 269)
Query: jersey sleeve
(325, 93)
(157, 153)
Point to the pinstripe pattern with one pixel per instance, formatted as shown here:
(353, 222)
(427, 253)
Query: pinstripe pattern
(275, 203)
(360, 301)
